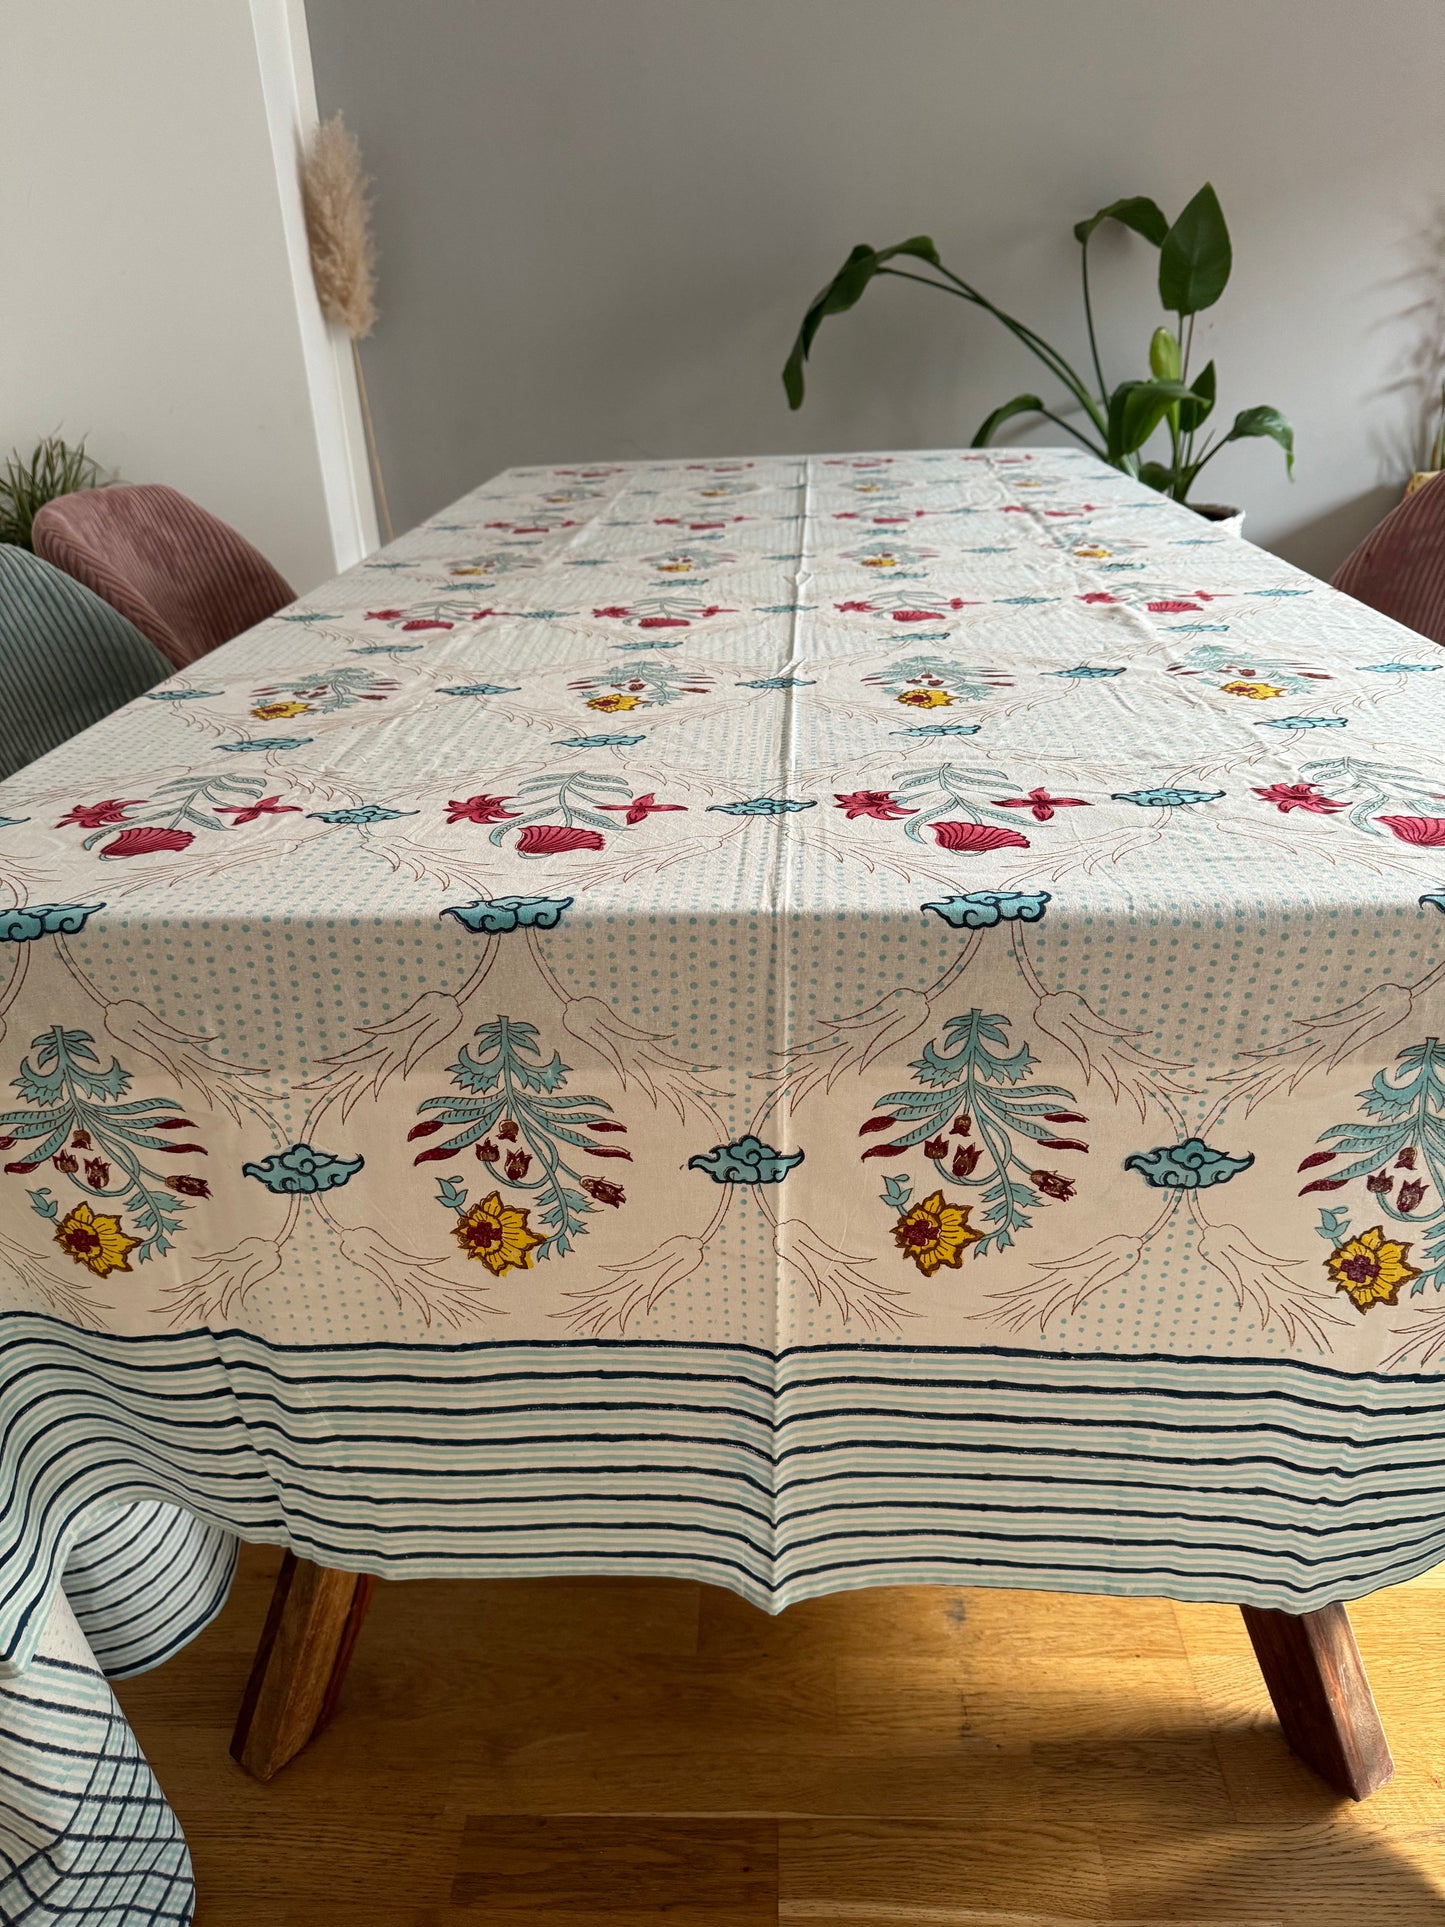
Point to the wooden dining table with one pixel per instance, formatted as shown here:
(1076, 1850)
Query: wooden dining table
(798, 1022)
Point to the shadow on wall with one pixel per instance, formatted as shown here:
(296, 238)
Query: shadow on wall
(1320, 546)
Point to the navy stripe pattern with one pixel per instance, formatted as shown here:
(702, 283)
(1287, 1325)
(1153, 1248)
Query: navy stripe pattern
(85, 1832)
(1270, 1483)
(143, 1580)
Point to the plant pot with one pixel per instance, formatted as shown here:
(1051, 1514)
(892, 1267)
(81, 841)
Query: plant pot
(1225, 517)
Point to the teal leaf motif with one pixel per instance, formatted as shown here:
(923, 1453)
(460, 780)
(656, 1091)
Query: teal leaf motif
(940, 729)
(493, 916)
(300, 1169)
(1165, 799)
(1191, 1165)
(1333, 1227)
(480, 689)
(747, 1160)
(268, 742)
(1303, 722)
(42, 1202)
(452, 1193)
(1400, 668)
(762, 806)
(983, 909)
(780, 682)
(362, 813)
(1085, 672)
(897, 1190)
(183, 695)
(44, 920)
(599, 742)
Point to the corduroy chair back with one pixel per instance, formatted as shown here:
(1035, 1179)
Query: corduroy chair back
(66, 659)
(1399, 568)
(179, 574)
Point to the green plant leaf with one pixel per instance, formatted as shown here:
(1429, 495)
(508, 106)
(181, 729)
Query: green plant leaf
(1195, 257)
(1020, 405)
(1137, 211)
(1136, 409)
(1192, 413)
(1164, 358)
(1264, 420)
(842, 293)
(1157, 475)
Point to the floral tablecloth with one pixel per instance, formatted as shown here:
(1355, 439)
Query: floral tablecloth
(801, 1022)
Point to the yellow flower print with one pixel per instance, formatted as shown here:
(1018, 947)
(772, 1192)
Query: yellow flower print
(611, 704)
(1370, 1269)
(674, 568)
(926, 698)
(1259, 692)
(934, 1233)
(880, 561)
(95, 1242)
(1094, 554)
(275, 712)
(497, 1234)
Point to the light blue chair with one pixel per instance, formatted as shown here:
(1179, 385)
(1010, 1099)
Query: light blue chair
(66, 659)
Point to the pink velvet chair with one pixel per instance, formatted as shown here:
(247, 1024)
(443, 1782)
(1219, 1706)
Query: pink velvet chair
(1399, 568)
(182, 577)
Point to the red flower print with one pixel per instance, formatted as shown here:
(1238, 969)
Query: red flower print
(961, 1125)
(1409, 1195)
(410, 628)
(479, 809)
(1041, 804)
(641, 807)
(555, 839)
(65, 1163)
(487, 1152)
(519, 1163)
(263, 806)
(613, 609)
(81, 1141)
(1098, 595)
(854, 608)
(964, 1160)
(667, 622)
(94, 816)
(936, 1147)
(977, 837)
(875, 803)
(508, 1131)
(189, 1187)
(1053, 1184)
(97, 1173)
(1171, 608)
(1301, 796)
(384, 615)
(141, 841)
(1426, 832)
(604, 1190)
(1406, 1159)
(1379, 1182)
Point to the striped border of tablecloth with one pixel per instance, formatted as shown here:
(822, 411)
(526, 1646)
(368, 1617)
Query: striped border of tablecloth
(143, 1580)
(85, 1832)
(1271, 1483)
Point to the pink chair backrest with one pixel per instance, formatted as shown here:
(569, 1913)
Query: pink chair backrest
(182, 577)
(1399, 568)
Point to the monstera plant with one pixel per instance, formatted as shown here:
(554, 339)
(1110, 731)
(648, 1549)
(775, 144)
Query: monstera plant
(1195, 258)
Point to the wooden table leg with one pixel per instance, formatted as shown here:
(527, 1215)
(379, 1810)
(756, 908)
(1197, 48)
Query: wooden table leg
(306, 1647)
(1316, 1679)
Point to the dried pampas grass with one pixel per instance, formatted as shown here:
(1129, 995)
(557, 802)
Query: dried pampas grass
(343, 256)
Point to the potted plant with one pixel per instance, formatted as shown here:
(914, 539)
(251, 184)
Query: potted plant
(27, 482)
(1195, 258)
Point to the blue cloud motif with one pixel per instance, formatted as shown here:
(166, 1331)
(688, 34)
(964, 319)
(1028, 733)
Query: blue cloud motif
(762, 806)
(494, 916)
(1165, 799)
(1189, 1166)
(780, 682)
(362, 813)
(982, 909)
(11, 822)
(1085, 672)
(598, 742)
(182, 695)
(1437, 897)
(1400, 668)
(386, 649)
(300, 1169)
(34, 920)
(269, 742)
(481, 689)
(940, 729)
(747, 1160)
(1302, 722)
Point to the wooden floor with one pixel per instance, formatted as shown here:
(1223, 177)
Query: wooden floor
(609, 1754)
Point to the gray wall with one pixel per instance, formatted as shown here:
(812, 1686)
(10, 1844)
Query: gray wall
(600, 221)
